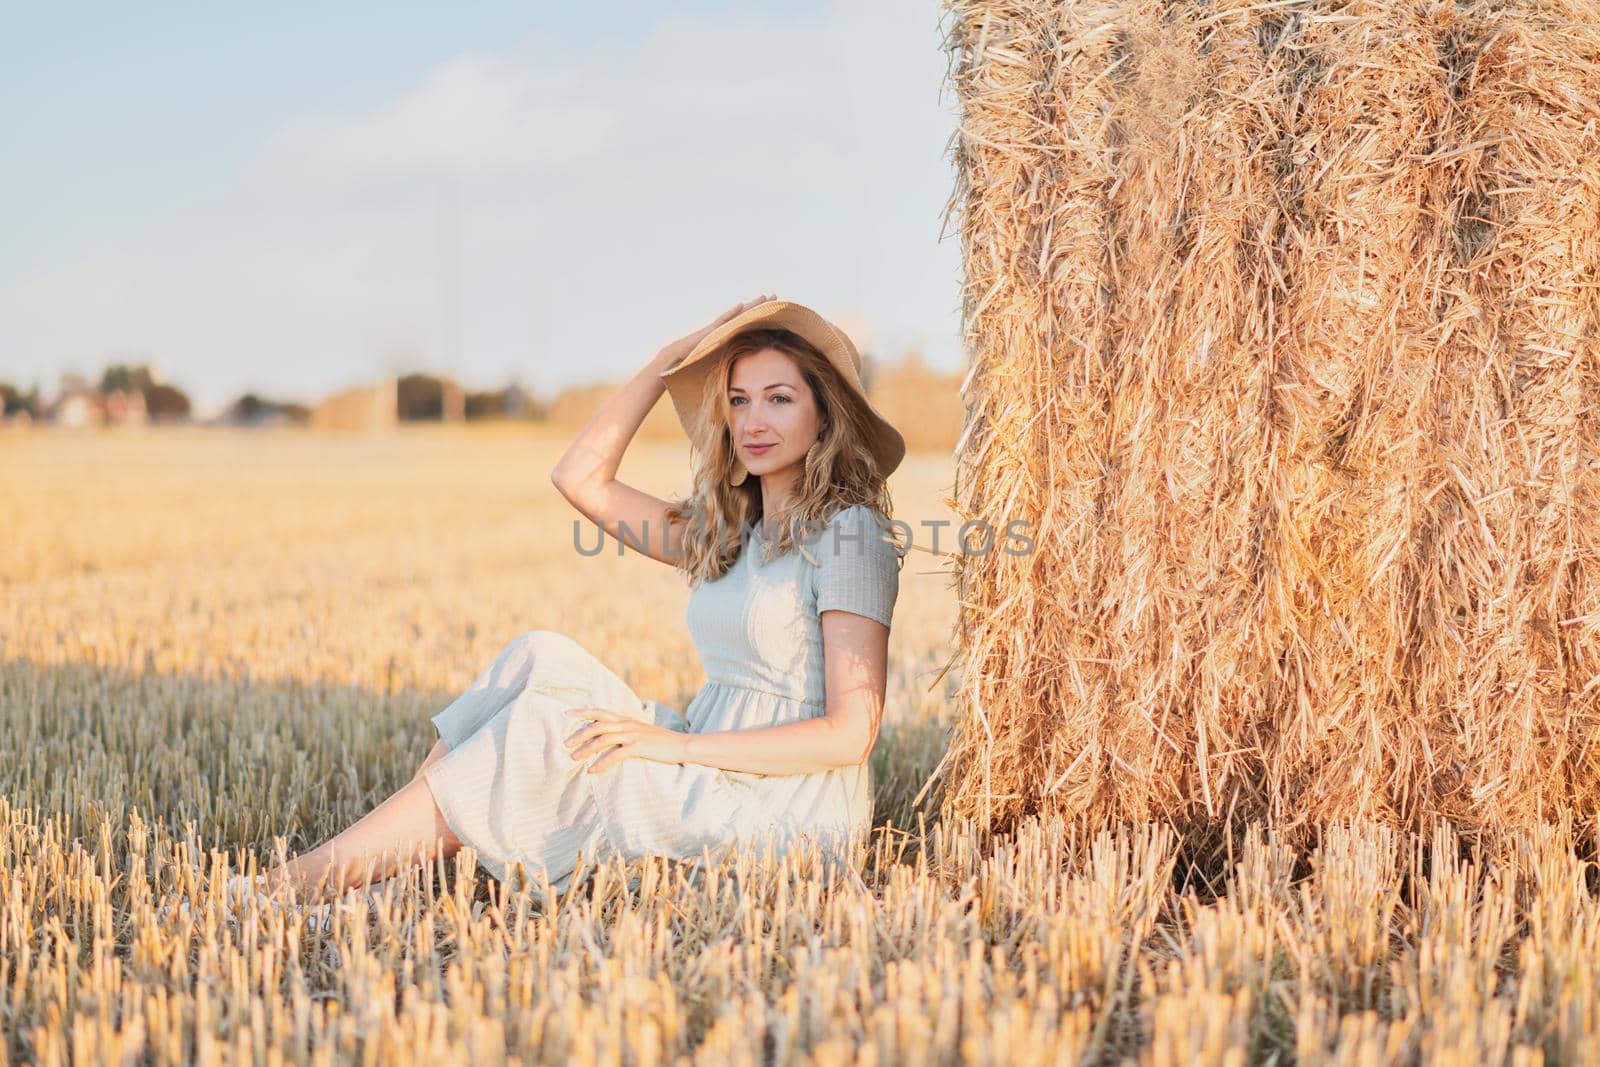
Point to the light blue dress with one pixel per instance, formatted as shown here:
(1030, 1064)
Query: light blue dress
(509, 787)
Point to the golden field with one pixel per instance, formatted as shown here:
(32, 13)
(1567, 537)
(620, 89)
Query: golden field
(215, 644)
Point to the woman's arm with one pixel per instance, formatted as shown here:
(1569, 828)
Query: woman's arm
(855, 669)
(586, 473)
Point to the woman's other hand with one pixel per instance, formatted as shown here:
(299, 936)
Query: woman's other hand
(621, 737)
(674, 354)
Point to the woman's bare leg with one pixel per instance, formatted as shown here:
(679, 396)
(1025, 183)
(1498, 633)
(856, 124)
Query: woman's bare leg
(403, 831)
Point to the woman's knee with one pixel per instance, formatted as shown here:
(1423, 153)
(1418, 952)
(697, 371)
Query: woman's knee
(549, 643)
(556, 659)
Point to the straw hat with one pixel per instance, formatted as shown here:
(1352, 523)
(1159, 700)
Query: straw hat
(686, 382)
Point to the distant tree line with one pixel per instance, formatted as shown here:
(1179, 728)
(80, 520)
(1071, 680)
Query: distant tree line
(14, 401)
(125, 394)
(162, 402)
(925, 404)
(128, 393)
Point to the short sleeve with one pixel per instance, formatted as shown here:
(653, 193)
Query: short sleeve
(858, 565)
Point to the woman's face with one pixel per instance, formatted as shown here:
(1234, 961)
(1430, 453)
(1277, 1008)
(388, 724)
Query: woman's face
(770, 404)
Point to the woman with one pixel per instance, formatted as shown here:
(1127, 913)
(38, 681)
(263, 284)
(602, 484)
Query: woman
(549, 754)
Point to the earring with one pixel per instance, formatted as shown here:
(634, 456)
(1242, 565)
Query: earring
(737, 475)
(811, 454)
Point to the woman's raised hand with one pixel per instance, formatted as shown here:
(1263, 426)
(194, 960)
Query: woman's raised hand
(674, 353)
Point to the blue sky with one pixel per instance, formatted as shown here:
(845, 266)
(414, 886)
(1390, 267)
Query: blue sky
(291, 199)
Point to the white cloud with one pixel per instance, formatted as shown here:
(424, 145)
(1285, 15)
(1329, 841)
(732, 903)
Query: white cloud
(603, 204)
(476, 116)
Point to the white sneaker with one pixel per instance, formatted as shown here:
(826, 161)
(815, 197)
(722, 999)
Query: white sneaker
(367, 899)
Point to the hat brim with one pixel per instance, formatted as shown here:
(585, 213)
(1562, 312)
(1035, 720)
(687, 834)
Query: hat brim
(686, 382)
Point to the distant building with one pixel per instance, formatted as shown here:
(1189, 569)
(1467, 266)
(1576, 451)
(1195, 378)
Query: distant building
(125, 407)
(77, 409)
(157, 401)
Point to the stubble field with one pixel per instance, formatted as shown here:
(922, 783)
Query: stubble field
(215, 645)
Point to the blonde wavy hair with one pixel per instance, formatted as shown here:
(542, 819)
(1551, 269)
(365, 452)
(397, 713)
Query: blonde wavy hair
(840, 473)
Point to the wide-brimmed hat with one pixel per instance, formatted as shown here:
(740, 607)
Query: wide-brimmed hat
(686, 382)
